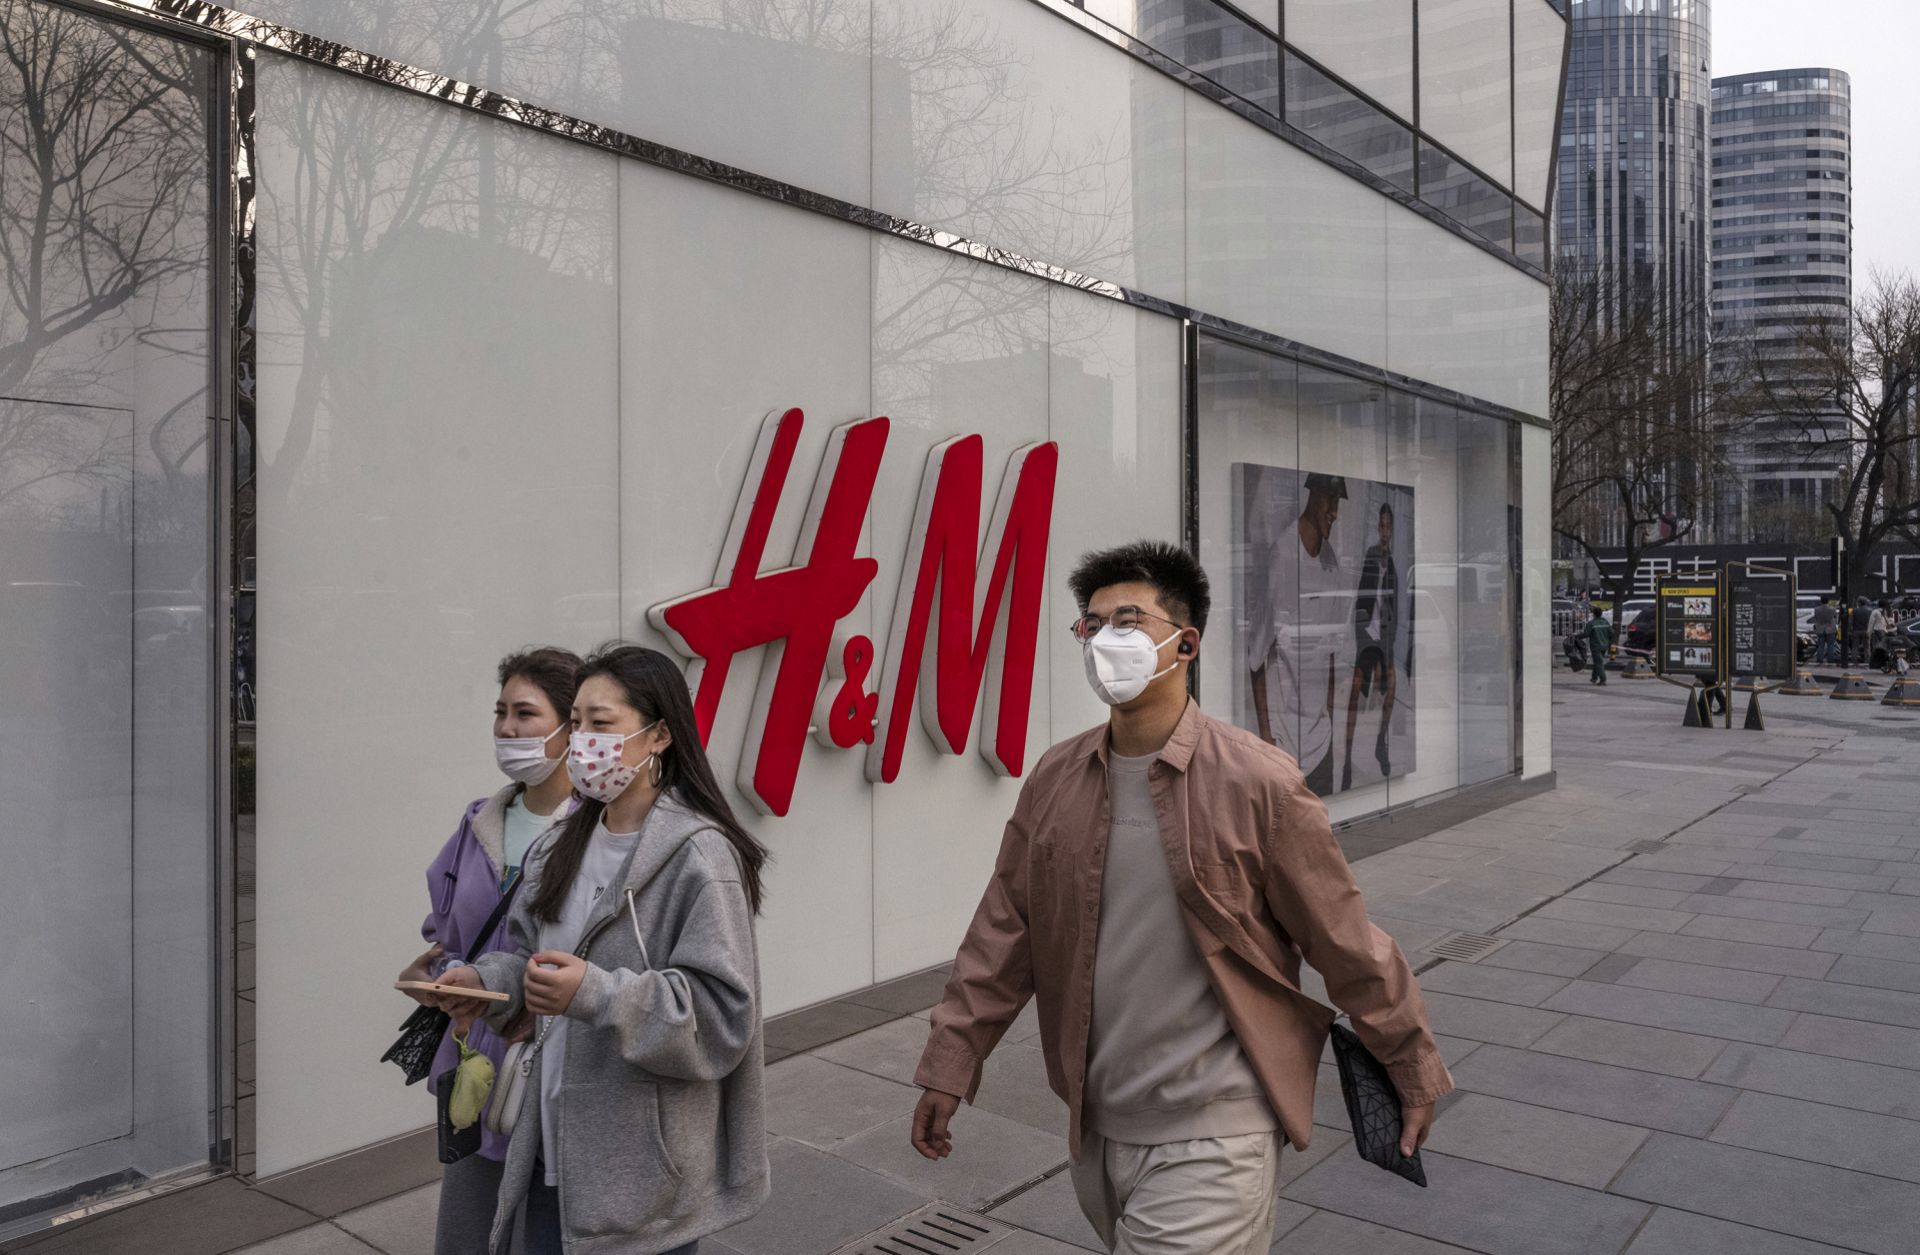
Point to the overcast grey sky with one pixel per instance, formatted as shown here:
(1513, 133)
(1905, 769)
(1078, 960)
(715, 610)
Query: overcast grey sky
(1877, 42)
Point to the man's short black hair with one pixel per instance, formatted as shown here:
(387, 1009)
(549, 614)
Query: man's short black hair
(1174, 574)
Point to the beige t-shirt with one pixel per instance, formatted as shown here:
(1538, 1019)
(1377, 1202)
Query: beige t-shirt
(1162, 1063)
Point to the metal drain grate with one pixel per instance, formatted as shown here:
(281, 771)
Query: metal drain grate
(936, 1229)
(1464, 947)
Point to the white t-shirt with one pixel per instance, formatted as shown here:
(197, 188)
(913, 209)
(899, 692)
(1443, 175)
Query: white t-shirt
(522, 828)
(600, 869)
(1306, 620)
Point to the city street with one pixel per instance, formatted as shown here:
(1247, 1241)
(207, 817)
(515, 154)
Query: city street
(1699, 1031)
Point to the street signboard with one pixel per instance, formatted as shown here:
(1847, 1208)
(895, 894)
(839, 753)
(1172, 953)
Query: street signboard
(1689, 634)
(1761, 602)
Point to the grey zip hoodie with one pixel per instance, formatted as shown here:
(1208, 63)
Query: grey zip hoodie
(662, 1130)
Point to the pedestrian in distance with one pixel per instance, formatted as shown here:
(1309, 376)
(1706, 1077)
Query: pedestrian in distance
(479, 864)
(642, 1124)
(1599, 641)
(1161, 880)
(1879, 624)
(1826, 625)
(1858, 634)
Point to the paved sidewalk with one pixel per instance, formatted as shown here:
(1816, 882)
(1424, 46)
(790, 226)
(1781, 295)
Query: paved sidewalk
(1699, 1031)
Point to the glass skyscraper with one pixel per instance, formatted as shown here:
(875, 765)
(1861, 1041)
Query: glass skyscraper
(1782, 256)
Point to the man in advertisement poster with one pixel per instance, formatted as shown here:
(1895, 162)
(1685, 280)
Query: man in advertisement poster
(1160, 882)
(1376, 624)
(1299, 630)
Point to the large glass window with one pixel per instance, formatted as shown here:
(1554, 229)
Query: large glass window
(1319, 105)
(106, 426)
(1361, 547)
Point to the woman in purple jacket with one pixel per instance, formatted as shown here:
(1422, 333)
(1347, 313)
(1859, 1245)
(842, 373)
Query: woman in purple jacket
(479, 862)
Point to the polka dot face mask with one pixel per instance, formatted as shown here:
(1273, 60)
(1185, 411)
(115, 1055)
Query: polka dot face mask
(594, 766)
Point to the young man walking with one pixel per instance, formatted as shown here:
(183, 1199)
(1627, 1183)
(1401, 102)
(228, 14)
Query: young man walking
(1160, 882)
(1599, 641)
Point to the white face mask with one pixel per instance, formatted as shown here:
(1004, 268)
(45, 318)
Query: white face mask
(1120, 664)
(593, 763)
(524, 758)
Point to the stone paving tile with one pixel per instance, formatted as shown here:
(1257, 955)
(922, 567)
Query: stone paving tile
(1853, 969)
(1760, 932)
(1327, 1233)
(402, 1225)
(1562, 1145)
(1812, 895)
(1898, 922)
(1633, 874)
(1882, 1145)
(1855, 1039)
(1714, 952)
(1672, 1232)
(1020, 1242)
(1477, 1206)
(819, 1202)
(1848, 1002)
(1632, 1046)
(1638, 918)
(1808, 876)
(1679, 860)
(891, 1051)
(1458, 904)
(1051, 1208)
(1538, 956)
(1693, 978)
(1596, 1089)
(1627, 895)
(1013, 1083)
(1774, 912)
(1824, 862)
(1806, 1200)
(1822, 1078)
(1479, 1020)
(1708, 1017)
(820, 1104)
(991, 1155)
(1610, 969)
(1527, 989)
(320, 1239)
(1560, 932)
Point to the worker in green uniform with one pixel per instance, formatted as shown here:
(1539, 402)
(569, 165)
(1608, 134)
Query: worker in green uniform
(1599, 641)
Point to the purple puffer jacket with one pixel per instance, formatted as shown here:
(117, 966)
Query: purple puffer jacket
(463, 885)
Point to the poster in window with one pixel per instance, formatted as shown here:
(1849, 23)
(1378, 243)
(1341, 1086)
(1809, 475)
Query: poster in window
(1325, 634)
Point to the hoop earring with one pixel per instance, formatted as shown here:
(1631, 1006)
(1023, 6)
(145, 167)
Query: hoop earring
(657, 772)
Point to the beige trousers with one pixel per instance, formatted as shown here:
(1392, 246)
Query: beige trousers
(1208, 1197)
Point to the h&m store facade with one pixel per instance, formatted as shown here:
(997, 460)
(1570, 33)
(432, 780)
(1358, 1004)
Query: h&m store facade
(346, 347)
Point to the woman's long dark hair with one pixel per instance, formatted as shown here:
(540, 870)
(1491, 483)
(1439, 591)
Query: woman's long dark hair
(655, 687)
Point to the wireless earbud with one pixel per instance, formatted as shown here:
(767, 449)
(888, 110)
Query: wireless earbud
(1186, 647)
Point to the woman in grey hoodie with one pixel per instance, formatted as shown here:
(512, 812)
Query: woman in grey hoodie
(641, 1125)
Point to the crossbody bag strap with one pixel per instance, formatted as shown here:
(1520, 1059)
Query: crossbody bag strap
(499, 913)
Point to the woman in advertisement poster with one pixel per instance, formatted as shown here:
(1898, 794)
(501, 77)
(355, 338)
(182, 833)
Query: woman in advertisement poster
(1376, 623)
(641, 1126)
(479, 863)
(1299, 629)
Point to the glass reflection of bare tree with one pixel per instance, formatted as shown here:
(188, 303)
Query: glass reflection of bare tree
(103, 237)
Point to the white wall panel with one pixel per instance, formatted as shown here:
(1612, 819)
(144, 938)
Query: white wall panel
(1464, 319)
(731, 307)
(1003, 123)
(1282, 242)
(958, 348)
(1537, 644)
(1113, 405)
(1466, 80)
(778, 87)
(1539, 49)
(1369, 43)
(437, 475)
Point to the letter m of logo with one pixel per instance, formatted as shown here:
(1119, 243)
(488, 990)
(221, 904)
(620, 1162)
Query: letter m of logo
(997, 650)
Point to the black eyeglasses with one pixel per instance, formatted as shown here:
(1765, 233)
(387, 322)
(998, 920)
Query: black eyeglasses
(1123, 619)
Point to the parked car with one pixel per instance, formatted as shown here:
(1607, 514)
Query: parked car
(1637, 636)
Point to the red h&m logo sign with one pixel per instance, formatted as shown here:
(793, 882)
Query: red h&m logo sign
(948, 645)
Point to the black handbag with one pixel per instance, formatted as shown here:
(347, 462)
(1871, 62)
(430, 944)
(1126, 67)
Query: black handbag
(421, 1033)
(1373, 1107)
(455, 1144)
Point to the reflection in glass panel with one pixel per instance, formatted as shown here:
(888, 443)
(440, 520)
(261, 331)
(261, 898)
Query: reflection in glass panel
(1452, 187)
(1488, 557)
(1529, 235)
(1206, 37)
(1421, 453)
(1326, 110)
(104, 599)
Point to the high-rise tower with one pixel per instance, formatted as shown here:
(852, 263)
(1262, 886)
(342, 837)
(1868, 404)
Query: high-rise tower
(1782, 241)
